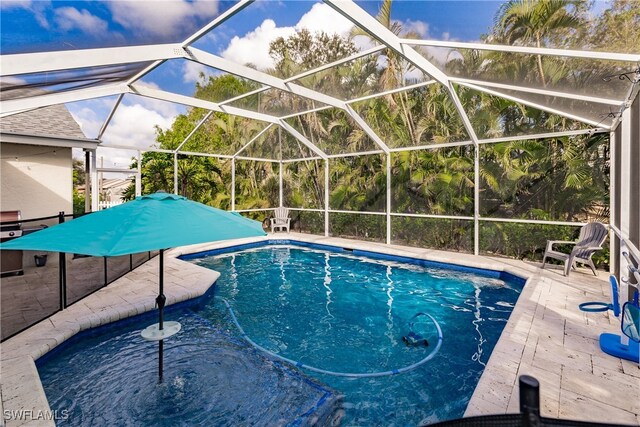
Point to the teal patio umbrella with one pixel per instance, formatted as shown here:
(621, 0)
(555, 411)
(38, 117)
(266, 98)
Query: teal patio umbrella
(154, 222)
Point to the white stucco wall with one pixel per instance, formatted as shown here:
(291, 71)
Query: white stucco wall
(37, 180)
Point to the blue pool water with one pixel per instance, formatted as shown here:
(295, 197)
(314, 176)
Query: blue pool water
(111, 379)
(334, 311)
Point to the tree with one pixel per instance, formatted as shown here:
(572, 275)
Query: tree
(219, 88)
(199, 178)
(562, 178)
(535, 21)
(618, 28)
(330, 128)
(304, 51)
(78, 172)
(396, 70)
(79, 178)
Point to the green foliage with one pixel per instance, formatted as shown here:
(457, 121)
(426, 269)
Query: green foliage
(78, 203)
(303, 51)
(201, 178)
(358, 226)
(434, 233)
(433, 181)
(308, 222)
(522, 241)
(78, 180)
(358, 183)
(562, 178)
(618, 28)
(78, 173)
(220, 88)
(303, 184)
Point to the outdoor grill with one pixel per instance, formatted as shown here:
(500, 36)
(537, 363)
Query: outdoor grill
(10, 228)
(10, 225)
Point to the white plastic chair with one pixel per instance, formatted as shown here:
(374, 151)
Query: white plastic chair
(591, 238)
(280, 219)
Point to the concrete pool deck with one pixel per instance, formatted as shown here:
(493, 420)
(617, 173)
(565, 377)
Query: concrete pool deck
(546, 336)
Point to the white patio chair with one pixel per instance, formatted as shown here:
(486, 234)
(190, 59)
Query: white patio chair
(591, 238)
(280, 219)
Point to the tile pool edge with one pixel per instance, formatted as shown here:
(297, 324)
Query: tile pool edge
(150, 316)
(425, 262)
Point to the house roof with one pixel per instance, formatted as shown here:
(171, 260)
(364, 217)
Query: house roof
(51, 125)
(52, 121)
(115, 183)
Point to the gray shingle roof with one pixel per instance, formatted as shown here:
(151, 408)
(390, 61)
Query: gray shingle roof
(53, 121)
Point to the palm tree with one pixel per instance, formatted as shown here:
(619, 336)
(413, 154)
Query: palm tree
(394, 73)
(528, 21)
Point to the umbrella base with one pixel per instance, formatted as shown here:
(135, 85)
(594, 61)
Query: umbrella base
(153, 332)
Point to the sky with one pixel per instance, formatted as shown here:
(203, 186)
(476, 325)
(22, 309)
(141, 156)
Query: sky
(43, 25)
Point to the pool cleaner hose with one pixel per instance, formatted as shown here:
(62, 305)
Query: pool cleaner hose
(333, 373)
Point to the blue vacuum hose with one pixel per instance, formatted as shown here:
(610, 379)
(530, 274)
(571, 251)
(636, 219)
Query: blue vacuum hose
(333, 373)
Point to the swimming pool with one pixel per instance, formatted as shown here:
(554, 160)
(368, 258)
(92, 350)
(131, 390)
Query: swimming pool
(341, 311)
(108, 377)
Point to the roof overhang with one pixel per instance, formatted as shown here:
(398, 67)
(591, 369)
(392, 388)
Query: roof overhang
(49, 141)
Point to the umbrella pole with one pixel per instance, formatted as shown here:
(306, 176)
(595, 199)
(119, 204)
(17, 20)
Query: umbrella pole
(160, 301)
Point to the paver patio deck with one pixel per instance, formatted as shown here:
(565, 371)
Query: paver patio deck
(546, 335)
(35, 294)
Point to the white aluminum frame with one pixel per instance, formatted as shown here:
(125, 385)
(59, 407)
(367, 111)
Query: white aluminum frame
(535, 105)
(103, 128)
(546, 92)
(11, 65)
(586, 54)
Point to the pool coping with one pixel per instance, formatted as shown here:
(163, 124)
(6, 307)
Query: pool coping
(481, 271)
(546, 336)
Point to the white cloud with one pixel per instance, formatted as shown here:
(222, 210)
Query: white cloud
(132, 126)
(442, 55)
(191, 71)
(419, 27)
(68, 18)
(164, 18)
(165, 108)
(88, 120)
(38, 8)
(437, 55)
(91, 114)
(364, 42)
(253, 47)
(10, 4)
(322, 17)
(115, 158)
